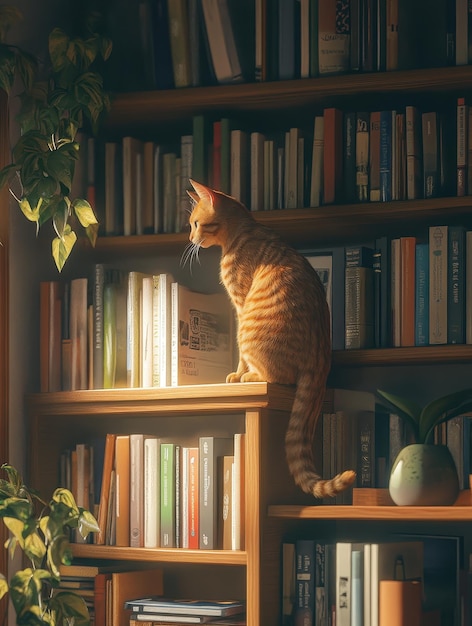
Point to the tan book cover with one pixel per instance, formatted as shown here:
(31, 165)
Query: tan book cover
(122, 469)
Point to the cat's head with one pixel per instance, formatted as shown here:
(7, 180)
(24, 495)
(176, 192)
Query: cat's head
(214, 216)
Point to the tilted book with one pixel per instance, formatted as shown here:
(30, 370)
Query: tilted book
(202, 344)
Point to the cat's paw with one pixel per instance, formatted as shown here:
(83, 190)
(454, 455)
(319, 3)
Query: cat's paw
(251, 377)
(234, 377)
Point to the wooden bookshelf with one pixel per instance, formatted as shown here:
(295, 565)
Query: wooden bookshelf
(274, 506)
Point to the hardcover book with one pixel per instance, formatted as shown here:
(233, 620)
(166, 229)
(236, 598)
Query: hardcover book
(202, 337)
(438, 237)
(210, 448)
(171, 606)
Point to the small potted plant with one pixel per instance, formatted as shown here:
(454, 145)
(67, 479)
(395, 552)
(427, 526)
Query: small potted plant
(41, 530)
(424, 473)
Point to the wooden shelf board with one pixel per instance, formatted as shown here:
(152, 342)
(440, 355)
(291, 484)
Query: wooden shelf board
(326, 225)
(161, 555)
(195, 398)
(403, 356)
(160, 107)
(376, 504)
(374, 513)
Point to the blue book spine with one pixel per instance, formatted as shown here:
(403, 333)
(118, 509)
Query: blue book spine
(456, 285)
(386, 156)
(305, 581)
(422, 294)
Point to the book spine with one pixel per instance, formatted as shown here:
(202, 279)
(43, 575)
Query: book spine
(430, 154)
(332, 155)
(343, 583)
(407, 287)
(152, 492)
(456, 284)
(210, 448)
(422, 294)
(385, 156)
(413, 156)
(366, 437)
(395, 291)
(226, 502)
(468, 294)
(239, 492)
(317, 162)
(288, 582)
(374, 157)
(136, 446)
(122, 490)
(462, 136)
(167, 495)
(109, 334)
(193, 498)
(362, 156)
(359, 298)
(174, 349)
(305, 582)
(349, 151)
(438, 237)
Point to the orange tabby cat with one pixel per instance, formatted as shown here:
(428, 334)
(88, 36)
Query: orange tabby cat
(283, 320)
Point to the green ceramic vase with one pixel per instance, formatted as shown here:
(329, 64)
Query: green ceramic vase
(424, 475)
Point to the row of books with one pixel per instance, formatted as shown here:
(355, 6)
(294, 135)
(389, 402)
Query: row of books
(190, 43)
(140, 186)
(131, 329)
(407, 579)
(150, 492)
(354, 431)
(401, 291)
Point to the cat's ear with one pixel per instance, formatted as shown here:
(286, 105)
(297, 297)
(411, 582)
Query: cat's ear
(193, 195)
(204, 193)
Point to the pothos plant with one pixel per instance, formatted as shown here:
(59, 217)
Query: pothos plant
(41, 530)
(71, 96)
(424, 419)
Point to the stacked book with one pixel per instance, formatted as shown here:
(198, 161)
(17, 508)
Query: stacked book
(152, 610)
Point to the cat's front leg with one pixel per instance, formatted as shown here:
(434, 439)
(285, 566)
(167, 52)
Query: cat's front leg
(235, 377)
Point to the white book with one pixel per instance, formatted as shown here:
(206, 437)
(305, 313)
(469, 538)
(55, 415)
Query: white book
(367, 585)
(155, 332)
(344, 550)
(257, 171)
(152, 492)
(202, 337)
(238, 511)
(133, 329)
(165, 328)
(146, 332)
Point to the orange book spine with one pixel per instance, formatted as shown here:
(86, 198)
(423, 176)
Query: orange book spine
(332, 155)
(122, 468)
(108, 463)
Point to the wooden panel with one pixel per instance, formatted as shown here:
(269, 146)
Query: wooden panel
(4, 300)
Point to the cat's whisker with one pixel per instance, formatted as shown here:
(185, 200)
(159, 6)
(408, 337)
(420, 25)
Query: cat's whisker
(186, 254)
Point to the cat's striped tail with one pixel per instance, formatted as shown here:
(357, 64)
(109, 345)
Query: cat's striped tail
(299, 442)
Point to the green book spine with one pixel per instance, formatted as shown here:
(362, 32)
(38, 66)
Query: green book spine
(168, 495)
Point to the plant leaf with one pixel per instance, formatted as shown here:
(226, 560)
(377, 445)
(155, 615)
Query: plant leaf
(443, 409)
(84, 212)
(3, 586)
(62, 247)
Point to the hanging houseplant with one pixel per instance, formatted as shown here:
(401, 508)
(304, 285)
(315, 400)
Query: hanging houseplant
(52, 111)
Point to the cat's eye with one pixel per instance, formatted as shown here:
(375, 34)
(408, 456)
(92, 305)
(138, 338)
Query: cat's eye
(195, 224)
